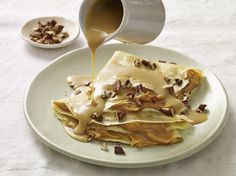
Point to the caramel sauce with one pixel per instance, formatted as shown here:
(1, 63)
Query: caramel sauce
(76, 81)
(103, 18)
(120, 66)
(150, 79)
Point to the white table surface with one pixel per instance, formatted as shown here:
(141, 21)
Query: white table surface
(203, 29)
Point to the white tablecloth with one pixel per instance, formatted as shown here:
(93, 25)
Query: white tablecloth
(203, 29)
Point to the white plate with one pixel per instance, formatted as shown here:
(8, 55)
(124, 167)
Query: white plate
(50, 84)
(69, 26)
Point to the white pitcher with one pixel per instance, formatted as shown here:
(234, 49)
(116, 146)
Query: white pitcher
(142, 22)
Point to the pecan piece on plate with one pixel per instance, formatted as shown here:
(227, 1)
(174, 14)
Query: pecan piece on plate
(201, 108)
(118, 150)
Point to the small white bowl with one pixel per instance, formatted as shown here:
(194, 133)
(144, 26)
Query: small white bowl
(69, 26)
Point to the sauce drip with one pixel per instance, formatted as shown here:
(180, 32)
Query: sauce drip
(103, 18)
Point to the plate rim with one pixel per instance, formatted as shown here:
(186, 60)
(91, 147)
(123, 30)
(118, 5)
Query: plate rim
(119, 164)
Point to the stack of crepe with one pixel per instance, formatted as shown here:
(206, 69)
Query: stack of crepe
(133, 101)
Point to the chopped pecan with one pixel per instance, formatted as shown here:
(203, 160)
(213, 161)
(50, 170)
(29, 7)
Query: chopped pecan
(167, 79)
(34, 39)
(118, 150)
(127, 84)
(117, 86)
(154, 99)
(63, 35)
(58, 28)
(153, 66)
(88, 83)
(71, 84)
(137, 63)
(113, 95)
(77, 92)
(130, 95)
(184, 98)
(186, 95)
(139, 101)
(186, 103)
(145, 62)
(178, 81)
(201, 108)
(52, 23)
(36, 27)
(96, 116)
(106, 94)
(36, 34)
(48, 33)
(120, 115)
(91, 136)
(169, 111)
(57, 39)
(149, 65)
(140, 88)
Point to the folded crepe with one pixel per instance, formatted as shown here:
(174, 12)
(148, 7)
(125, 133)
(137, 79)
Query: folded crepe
(133, 101)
